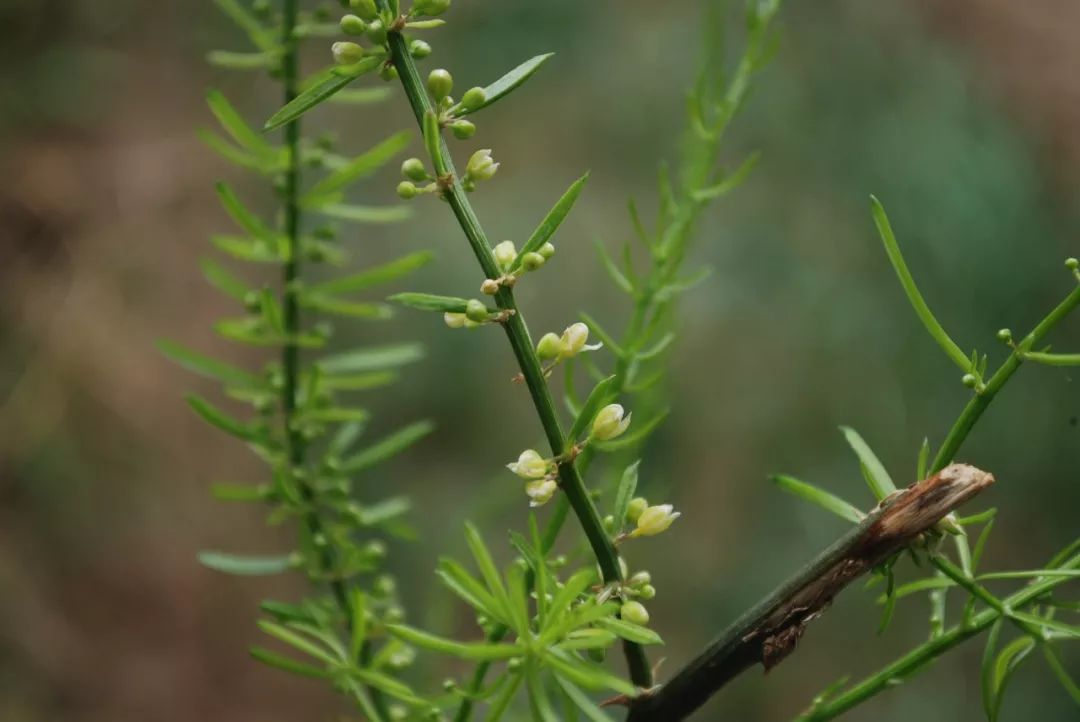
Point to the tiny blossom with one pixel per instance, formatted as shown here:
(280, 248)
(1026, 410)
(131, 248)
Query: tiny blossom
(655, 520)
(610, 422)
(574, 338)
(454, 320)
(540, 491)
(505, 252)
(481, 166)
(530, 465)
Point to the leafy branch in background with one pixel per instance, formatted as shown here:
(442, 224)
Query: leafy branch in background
(546, 622)
(305, 426)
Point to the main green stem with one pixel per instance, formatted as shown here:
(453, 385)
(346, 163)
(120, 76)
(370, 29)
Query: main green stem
(570, 481)
(290, 357)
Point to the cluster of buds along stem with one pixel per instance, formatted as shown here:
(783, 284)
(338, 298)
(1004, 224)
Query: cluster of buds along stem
(647, 520)
(368, 22)
(506, 258)
(475, 314)
(539, 475)
(451, 113)
(555, 349)
(414, 171)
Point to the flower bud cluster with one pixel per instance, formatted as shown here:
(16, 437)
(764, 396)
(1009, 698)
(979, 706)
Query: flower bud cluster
(539, 475)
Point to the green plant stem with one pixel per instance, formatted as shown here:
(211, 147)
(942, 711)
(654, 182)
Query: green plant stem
(290, 360)
(979, 403)
(925, 653)
(570, 481)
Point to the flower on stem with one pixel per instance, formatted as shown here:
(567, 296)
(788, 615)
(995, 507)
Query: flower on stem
(481, 166)
(550, 347)
(505, 252)
(440, 83)
(547, 250)
(610, 422)
(655, 520)
(419, 49)
(532, 261)
(530, 465)
(574, 338)
(414, 170)
(353, 25)
(407, 190)
(540, 491)
(346, 52)
(462, 129)
(637, 505)
(473, 98)
(634, 612)
(366, 9)
(454, 320)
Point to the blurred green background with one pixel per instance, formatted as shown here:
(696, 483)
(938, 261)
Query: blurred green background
(959, 114)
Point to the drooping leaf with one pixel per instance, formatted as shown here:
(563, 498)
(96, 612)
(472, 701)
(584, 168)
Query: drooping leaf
(372, 359)
(509, 82)
(216, 417)
(552, 220)
(243, 217)
(297, 641)
(235, 126)
(820, 497)
(247, 565)
(286, 664)
(209, 367)
(387, 447)
(374, 276)
(222, 280)
(881, 484)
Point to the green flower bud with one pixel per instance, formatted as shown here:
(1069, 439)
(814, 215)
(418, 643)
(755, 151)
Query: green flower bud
(440, 83)
(473, 98)
(489, 287)
(655, 520)
(413, 169)
(637, 505)
(353, 25)
(419, 49)
(1004, 335)
(969, 380)
(454, 320)
(514, 664)
(532, 261)
(394, 615)
(407, 190)
(388, 72)
(634, 612)
(640, 579)
(550, 347)
(476, 311)
(609, 523)
(376, 32)
(530, 465)
(609, 423)
(547, 250)
(430, 7)
(375, 549)
(505, 253)
(346, 52)
(366, 9)
(1072, 264)
(463, 129)
(385, 585)
(481, 166)
(647, 592)
(449, 684)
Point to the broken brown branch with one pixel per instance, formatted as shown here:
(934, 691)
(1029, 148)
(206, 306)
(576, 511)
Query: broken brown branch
(770, 631)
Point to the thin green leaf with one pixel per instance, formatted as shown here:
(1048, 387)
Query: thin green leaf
(241, 215)
(1054, 359)
(383, 511)
(612, 269)
(431, 302)
(630, 631)
(387, 447)
(278, 661)
(552, 220)
(360, 167)
(222, 280)
(582, 701)
(208, 367)
(251, 566)
(892, 248)
(509, 82)
(243, 61)
(340, 307)
(374, 276)
(986, 672)
(471, 590)
(881, 484)
(539, 704)
(1062, 674)
(923, 464)
(260, 35)
(486, 565)
(365, 214)
(363, 96)
(731, 181)
(625, 492)
(502, 700)
(372, 359)
(1004, 666)
(321, 91)
(919, 585)
(240, 492)
(1031, 573)
(475, 651)
(297, 641)
(234, 124)
(606, 338)
(820, 497)
(433, 142)
(218, 418)
(237, 156)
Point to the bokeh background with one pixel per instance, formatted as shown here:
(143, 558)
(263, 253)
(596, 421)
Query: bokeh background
(959, 114)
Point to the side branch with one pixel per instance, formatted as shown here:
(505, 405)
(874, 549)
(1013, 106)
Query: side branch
(770, 631)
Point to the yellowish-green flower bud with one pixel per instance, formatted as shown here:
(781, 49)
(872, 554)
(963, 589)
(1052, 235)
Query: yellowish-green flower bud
(532, 261)
(413, 169)
(505, 253)
(489, 287)
(969, 380)
(419, 49)
(530, 465)
(647, 592)
(654, 520)
(1004, 335)
(376, 32)
(346, 52)
(353, 25)
(1072, 264)
(541, 491)
(574, 338)
(640, 579)
(463, 129)
(609, 523)
(473, 98)
(634, 612)
(440, 83)
(637, 505)
(547, 250)
(476, 311)
(481, 166)
(366, 9)
(454, 320)
(610, 422)
(431, 7)
(550, 347)
(407, 190)
(388, 72)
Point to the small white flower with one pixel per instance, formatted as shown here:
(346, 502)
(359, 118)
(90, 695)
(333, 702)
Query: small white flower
(454, 320)
(574, 338)
(505, 253)
(481, 166)
(655, 519)
(530, 465)
(541, 491)
(610, 422)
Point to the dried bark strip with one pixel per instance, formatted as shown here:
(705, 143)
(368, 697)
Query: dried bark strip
(770, 631)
